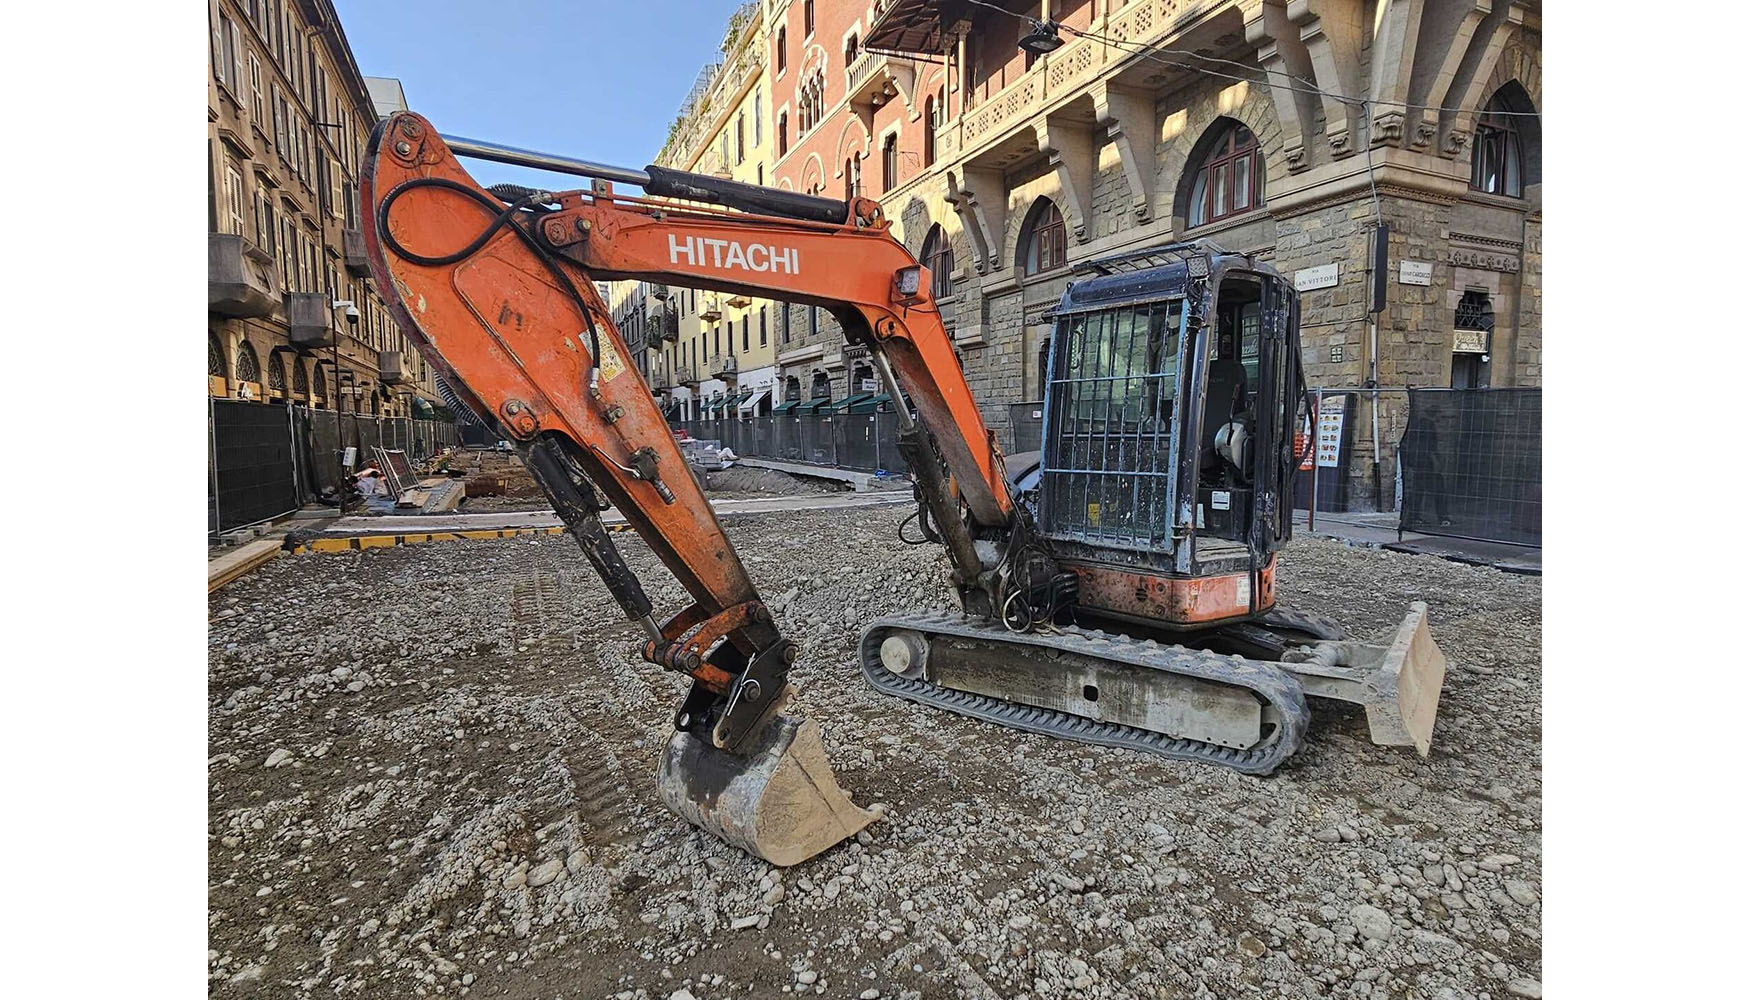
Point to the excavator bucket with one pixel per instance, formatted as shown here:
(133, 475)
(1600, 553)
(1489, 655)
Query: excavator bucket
(779, 803)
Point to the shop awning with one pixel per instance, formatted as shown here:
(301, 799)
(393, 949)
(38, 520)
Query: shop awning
(422, 408)
(869, 404)
(786, 407)
(845, 404)
(815, 405)
(718, 404)
(753, 400)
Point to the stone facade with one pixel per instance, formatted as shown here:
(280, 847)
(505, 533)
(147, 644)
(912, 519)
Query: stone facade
(287, 118)
(1115, 141)
(1363, 112)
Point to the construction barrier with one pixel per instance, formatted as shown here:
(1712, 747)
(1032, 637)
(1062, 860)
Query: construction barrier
(1472, 463)
(265, 460)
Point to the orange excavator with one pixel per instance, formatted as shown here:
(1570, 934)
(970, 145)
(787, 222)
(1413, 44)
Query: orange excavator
(1116, 587)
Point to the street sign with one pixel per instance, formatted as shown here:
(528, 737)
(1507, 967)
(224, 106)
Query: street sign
(1311, 278)
(1415, 272)
(1470, 341)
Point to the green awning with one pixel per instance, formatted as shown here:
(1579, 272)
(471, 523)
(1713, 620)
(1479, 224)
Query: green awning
(814, 405)
(423, 408)
(719, 403)
(787, 406)
(869, 404)
(845, 404)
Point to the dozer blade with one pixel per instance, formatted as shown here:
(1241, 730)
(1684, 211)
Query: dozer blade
(780, 803)
(1397, 680)
(1407, 686)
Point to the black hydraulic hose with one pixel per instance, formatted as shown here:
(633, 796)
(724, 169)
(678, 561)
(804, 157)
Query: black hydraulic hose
(666, 183)
(499, 221)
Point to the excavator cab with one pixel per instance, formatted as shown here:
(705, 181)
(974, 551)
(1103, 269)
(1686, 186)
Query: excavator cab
(1171, 391)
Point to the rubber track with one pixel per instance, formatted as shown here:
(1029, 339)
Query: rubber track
(1278, 687)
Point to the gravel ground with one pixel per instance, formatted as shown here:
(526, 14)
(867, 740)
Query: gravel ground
(432, 773)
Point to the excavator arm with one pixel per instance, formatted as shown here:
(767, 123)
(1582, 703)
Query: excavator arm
(498, 289)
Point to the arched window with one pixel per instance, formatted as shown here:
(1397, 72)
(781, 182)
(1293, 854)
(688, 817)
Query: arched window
(320, 383)
(215, 357)
(792, 389)
(1497, 160)
(276, 374)
(1230, 180)
(248, 366)
(862, 379)
(853, 177)
(300, 379)
(783, 52)
(889, 162)
(821, 388)
(1044, 246)
(938, 256)
(850, 51)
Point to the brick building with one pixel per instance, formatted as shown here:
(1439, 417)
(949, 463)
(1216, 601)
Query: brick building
(1159, 120)
(288, 114)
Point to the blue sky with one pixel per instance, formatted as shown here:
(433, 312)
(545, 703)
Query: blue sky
(597, 80)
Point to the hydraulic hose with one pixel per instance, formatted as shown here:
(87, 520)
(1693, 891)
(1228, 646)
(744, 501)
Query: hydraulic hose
(502, 217)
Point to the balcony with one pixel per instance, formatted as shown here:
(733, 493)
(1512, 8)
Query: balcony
(659, 292)
(241, 280)
(685, 375)
(711, 313)
(724, 367)
(907, 26)
(353, 243)
(389, 371)
(876, 78)
(310, 319)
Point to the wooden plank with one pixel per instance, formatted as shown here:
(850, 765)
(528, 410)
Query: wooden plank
(244, 560)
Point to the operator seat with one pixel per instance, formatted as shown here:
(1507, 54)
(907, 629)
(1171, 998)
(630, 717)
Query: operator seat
(1224, 398)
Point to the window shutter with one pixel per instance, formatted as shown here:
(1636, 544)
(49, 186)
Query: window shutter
(218, 59)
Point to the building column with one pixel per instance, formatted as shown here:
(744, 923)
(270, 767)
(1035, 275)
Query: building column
(1331, 30)
(1129, 119)
(979, 198)
(1283, 56)
(1069, 148)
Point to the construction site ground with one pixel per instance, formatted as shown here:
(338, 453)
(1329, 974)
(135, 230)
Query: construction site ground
(432, 770)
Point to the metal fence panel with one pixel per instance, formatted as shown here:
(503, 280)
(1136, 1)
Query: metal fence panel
(1473, 464)
(1026, 425)
(254, 470)
(857, 446)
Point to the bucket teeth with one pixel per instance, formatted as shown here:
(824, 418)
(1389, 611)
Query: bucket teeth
(780, 802)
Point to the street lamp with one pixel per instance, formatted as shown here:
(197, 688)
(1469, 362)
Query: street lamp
(1042, 39)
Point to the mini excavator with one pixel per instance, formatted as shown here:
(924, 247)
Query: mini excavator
(1117, 586)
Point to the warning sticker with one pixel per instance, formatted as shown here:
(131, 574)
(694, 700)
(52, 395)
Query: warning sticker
(609, 363)
(1243, 592)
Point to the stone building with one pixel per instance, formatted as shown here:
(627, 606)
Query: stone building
(1288, 129)
(288, 114)
(711, 353)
